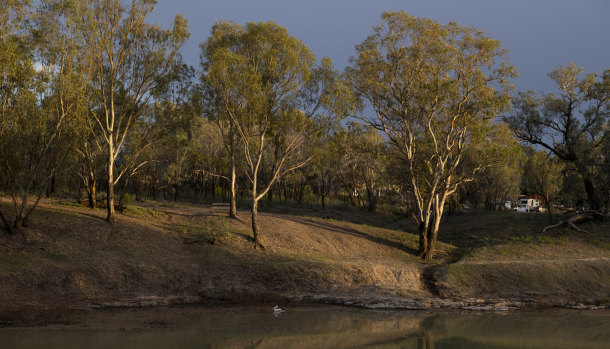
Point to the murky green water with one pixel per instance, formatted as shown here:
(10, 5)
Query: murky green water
(317, 327)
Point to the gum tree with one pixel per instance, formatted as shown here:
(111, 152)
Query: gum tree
(572, 125)
(268, 89)
(543, 176)
(42, 95)
(16, 82)
(434, 90)
(130, 63)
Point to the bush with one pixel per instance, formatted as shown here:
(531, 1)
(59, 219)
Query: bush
(137, 211)
(126, 200)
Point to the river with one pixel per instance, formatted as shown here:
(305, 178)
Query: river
(315, 327)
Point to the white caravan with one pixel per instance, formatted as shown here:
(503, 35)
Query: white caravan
(528, 205)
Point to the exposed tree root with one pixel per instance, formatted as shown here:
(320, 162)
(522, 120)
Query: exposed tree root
(572, 222)
(257, 245)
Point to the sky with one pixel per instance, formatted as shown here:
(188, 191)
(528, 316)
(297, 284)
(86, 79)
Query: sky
(541, 35)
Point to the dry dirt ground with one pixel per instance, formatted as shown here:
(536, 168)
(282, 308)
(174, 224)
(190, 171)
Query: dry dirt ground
(70, 258)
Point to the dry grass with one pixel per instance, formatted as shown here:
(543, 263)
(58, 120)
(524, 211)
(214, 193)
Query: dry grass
(72, 256)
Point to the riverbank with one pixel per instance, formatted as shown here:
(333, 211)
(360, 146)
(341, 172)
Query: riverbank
(166, 254)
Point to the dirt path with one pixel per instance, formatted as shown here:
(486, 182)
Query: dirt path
(530, 261)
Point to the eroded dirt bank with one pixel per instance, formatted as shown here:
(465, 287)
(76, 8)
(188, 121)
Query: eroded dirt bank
(71, 260)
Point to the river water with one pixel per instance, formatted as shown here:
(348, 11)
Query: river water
(316, 327)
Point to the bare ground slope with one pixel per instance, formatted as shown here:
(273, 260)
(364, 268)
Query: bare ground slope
(69, 257)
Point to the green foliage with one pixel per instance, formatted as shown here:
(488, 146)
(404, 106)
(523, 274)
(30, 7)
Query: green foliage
(571, 125)
(266, 85)
(435, 90)
(126, 199)
(141, 212)
(542, 175)
(131, 65)
(41, 79)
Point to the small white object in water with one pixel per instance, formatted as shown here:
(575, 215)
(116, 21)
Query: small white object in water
(278, 310)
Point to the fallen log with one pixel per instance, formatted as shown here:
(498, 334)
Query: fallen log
(572, 222)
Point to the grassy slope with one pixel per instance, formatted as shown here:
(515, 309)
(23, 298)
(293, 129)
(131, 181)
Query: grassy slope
(506, 255)
(181, 250)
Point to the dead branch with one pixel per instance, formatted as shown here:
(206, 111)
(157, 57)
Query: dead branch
(572, 222)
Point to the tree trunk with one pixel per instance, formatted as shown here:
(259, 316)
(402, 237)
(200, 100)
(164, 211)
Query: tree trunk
(153, 190)
(285, 191)
(300, 192)
(233, 209)
(110, 191)
(51, 187)
(548, 204)
(255, 229)
(359, 197)
(422, 230)
(91, 191)
(351, 198)
(431, 238)
(372, 199)
(434, 223)
(270, 197)
(591, 197)
(26, 216)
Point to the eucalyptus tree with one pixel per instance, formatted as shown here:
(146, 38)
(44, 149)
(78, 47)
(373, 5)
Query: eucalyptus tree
(370, 156)
(347, 163)
(215, 101)
(573, 125)
(16, 83)
(88, 163)
(498, 184)
(42, 96)
(130, 63)
(267, 85)
(435, 90)
(542, 175)
(355, 156)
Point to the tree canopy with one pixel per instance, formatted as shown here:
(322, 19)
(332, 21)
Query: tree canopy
(435, 90)
(572, 125)
(268, 87)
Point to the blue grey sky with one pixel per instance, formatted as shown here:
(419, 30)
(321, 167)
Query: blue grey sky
(539, 34)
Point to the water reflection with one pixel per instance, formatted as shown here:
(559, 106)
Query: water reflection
(318, 327)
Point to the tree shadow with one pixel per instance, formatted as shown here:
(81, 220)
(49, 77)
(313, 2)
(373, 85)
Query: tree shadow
(78, 213)
(380, 219)
(353, 232)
